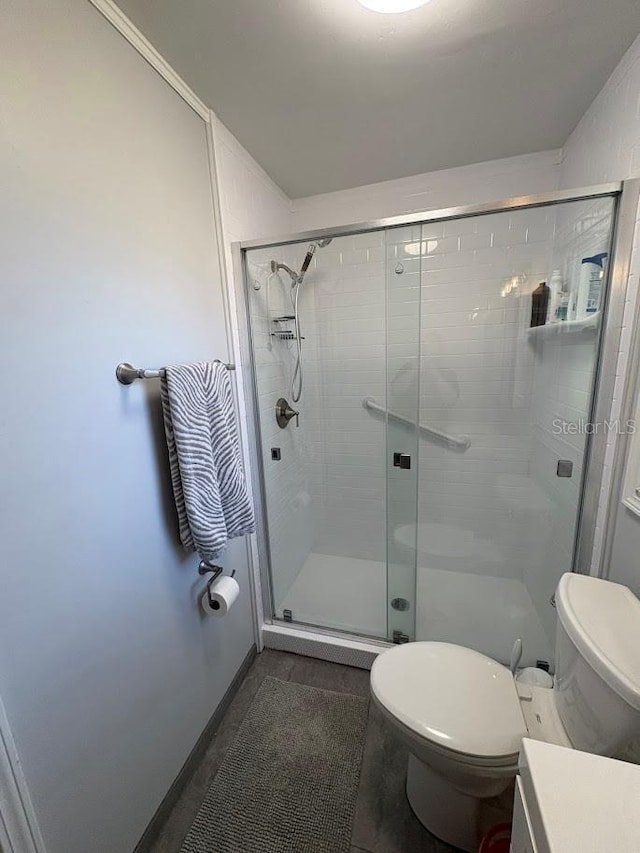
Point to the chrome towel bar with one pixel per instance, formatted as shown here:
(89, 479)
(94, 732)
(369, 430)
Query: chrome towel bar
(126, 373)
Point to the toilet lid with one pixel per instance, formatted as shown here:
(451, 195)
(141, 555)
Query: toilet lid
(453, 696)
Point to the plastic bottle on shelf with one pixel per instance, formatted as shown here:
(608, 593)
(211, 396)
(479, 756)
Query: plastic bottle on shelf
(563, 307)
(555, 296)
(589, 292)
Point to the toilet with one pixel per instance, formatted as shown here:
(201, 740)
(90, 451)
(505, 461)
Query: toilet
(463, 716)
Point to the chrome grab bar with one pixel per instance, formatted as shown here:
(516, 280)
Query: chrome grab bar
(462, 442)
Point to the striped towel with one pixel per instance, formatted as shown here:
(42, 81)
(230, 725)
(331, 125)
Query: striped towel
(209, 485)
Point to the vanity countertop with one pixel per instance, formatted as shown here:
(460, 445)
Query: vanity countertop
(578, 802)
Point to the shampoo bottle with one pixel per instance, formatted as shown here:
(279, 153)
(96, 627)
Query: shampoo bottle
(539, 304)
(589, 293)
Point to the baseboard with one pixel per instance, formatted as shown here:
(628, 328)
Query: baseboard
(150, 835)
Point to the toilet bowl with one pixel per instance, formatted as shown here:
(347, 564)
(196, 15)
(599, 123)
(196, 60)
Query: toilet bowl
(463, 717)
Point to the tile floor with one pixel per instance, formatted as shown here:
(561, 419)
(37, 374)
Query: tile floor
(383, 823)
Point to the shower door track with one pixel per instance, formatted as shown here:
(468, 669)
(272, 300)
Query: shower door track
(594, 507)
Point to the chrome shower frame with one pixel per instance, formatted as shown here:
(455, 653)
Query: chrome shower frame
(353, 649)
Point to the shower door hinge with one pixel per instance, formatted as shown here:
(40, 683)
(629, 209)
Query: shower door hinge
(399, 637)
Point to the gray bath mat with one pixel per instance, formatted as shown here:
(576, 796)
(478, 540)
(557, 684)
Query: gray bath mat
(289, 780)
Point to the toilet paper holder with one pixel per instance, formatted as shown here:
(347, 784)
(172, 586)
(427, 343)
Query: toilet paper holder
(203, 569)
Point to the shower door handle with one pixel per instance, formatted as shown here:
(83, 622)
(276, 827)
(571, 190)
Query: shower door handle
(402, 460)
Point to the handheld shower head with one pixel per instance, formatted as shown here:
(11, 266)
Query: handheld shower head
(296, 287)
(307, 260)
(313, 247)
(296, 278)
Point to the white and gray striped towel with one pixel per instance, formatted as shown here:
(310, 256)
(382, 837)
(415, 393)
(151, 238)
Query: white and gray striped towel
(208, 480)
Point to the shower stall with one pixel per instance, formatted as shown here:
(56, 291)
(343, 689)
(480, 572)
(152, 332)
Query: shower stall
(425, 461)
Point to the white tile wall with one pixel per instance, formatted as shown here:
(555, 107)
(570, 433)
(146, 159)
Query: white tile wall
(480, 182)
(347, 288)
(470, 370)
(476, 380)
(605, 146)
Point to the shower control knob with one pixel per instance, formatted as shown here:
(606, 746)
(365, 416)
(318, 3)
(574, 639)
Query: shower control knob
(284, 413)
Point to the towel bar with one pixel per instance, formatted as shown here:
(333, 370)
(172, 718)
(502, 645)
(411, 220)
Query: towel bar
(126, 373)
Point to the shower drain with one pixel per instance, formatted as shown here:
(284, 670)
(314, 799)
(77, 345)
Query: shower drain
(400, 604)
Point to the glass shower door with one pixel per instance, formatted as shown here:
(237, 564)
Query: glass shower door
(431, 484)
(499, 503)
(403, 297)
(324, 470)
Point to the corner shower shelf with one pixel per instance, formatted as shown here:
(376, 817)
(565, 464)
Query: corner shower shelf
(566, 327)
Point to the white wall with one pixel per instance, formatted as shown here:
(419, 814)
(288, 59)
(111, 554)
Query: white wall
(479, 182)
(108, 670)
(605, 146)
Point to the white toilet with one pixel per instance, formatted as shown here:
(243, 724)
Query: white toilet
(463, 717)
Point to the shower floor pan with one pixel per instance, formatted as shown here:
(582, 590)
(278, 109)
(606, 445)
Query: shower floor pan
(483, 612)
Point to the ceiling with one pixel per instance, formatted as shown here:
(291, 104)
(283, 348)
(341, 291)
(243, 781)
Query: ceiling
(328, 95)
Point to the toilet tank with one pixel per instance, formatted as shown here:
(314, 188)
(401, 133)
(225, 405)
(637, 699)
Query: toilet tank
(597, 684)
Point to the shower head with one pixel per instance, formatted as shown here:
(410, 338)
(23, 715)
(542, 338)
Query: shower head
(307, 260)
(296, 287)
(310, 253)
(296, 278)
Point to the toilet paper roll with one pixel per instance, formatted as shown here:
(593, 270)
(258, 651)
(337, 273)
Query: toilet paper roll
(224, 592)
